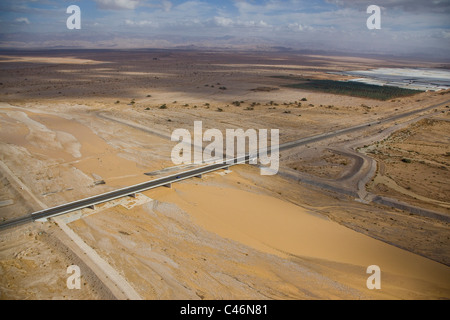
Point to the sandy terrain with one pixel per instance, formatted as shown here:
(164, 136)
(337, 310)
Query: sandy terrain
(33, 265)
(76, 125)
(414, 163)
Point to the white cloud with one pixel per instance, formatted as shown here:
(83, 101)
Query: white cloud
(167, 5)
(23, 20)
(406, 5)
(223, 22)
(252, 23)
(299, 27)
(117, 4)
(446, 34)
(140, 23)
(227, 22)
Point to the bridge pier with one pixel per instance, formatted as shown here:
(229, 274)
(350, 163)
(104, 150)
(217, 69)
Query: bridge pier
(92, 207)
(169, 185)
(133, 195)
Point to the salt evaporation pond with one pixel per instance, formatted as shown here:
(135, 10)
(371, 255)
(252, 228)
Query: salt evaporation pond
(409, 78)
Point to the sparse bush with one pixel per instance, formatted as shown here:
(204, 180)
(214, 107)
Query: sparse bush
(405, 160)
(304, 99)
(163, 106)
(236, 103)
(219, 109)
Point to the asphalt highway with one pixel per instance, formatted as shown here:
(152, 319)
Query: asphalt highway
(165, 181)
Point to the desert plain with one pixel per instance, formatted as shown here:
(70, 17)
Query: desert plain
(74, 124)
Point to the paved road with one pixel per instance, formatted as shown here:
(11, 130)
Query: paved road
(129, 191)
(328, 135)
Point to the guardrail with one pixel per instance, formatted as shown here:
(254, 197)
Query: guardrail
(132, 190)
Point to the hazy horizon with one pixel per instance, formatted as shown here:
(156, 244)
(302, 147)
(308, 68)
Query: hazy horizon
(408, 28)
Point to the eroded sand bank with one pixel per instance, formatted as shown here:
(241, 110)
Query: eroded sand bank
(279, 227)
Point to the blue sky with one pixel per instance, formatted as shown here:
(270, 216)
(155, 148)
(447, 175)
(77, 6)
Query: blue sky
(408, 26)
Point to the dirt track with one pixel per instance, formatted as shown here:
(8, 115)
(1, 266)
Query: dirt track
(58, 147)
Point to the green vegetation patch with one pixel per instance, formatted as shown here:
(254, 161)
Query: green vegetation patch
(354, 89)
